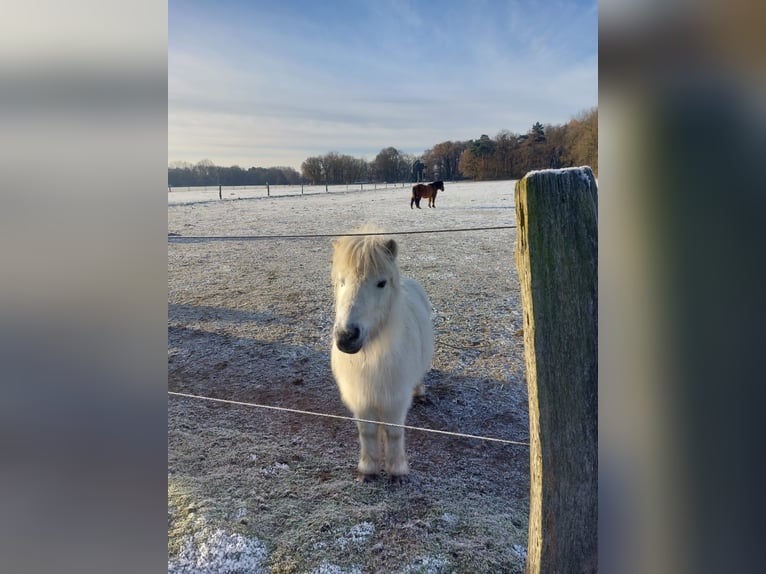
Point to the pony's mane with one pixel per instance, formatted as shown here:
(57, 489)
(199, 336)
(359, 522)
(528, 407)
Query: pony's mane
(365, 254)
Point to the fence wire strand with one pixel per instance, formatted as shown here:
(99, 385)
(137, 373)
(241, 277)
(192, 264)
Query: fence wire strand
(176, 238)
(345, 418)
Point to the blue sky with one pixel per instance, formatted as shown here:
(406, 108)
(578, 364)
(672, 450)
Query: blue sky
(257, 83)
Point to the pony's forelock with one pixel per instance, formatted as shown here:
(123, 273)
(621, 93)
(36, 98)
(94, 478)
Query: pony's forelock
(364, 254)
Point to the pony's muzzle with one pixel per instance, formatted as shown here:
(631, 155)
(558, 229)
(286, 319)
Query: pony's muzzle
(348, 340)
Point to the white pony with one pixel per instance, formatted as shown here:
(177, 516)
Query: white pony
(383, 343)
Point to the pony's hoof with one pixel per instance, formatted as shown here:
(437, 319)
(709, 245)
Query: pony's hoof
(398, 480)
(366, 478)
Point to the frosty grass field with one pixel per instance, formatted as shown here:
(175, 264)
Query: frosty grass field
(254, 490)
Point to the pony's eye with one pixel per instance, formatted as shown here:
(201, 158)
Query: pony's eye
(382, 283)
(341, 281)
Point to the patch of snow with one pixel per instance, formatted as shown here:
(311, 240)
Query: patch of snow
(519, 551)
(450, 519)
(427, 565)
(275, 468)
(358, 534)
(581, 171)
(326, 568)
(219, 552)
(361, 532)
(240, 514)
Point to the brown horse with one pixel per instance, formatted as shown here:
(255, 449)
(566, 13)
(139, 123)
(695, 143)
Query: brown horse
(426, 190)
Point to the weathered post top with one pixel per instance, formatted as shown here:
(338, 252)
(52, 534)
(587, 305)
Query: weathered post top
(557, 259)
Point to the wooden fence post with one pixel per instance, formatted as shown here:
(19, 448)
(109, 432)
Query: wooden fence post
(268, 193)
(219, 192)
(557, 259)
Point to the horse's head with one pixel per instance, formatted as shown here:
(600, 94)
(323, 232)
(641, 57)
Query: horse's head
(365, 281)
(438, 185)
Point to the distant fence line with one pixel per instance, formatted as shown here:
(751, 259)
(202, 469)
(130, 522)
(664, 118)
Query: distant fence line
(287, 189)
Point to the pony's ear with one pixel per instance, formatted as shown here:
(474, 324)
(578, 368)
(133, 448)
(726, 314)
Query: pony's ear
(392, 248)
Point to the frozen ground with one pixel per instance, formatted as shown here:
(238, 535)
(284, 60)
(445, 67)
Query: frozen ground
(251, 490)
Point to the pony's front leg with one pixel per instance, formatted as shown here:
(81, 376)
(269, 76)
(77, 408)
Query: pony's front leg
(396, 458)
(369, 451)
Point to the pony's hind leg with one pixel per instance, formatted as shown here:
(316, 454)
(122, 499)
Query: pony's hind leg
(369, 451)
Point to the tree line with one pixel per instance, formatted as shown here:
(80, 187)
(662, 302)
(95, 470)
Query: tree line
(510, 156)
(206, 173)
(506, 156)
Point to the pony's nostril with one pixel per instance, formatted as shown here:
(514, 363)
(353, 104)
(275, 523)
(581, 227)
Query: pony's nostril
(348, 339)
(349, 335)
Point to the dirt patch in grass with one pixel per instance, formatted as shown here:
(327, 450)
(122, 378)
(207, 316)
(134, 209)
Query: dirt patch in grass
(252, 490)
